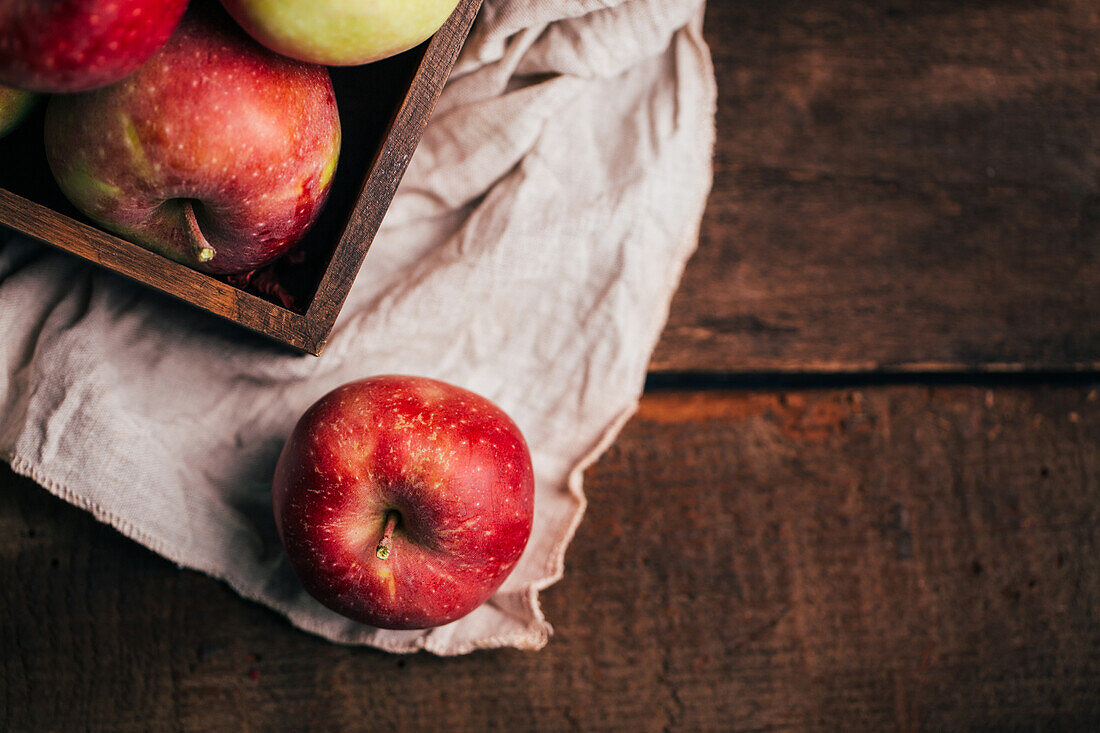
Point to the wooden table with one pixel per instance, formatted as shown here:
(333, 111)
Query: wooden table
(862, 488)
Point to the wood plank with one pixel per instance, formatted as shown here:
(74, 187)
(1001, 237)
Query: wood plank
(912, 185)
(889, 558)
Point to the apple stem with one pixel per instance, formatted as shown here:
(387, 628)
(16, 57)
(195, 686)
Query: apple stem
(386, 543)
(203, 250)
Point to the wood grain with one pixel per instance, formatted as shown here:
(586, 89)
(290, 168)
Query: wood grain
(886, 559)
(906, 185)
(150, 268)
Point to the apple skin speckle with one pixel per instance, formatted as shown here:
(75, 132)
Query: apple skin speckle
(463, 495)
(77, 45)
(217, 144)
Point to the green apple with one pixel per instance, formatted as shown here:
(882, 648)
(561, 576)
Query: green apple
(14, 106)
(340, 32)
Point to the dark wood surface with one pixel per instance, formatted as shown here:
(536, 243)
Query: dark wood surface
(904, 185)
(869, 555)
(896, 558)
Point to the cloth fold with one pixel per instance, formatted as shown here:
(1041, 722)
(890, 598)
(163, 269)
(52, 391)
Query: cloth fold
(530, 255)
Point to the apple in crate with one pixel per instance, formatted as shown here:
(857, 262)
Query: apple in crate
(14, 106)
(403, 502)
(217, 153)
(340, 32)
(76, 45)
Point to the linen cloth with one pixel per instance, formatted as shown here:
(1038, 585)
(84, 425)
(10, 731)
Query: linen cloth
(530, 255)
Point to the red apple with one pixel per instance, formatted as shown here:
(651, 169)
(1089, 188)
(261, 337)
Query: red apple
(75, 45)
(217, 153)
(403, 502)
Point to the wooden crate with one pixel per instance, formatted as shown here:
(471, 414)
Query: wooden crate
(383, 110)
